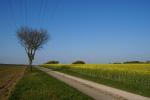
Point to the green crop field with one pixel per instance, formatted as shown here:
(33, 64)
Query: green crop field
(37, 85)
(130, 77)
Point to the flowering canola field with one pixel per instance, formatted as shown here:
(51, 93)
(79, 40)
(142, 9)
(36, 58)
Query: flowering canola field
(130, 77)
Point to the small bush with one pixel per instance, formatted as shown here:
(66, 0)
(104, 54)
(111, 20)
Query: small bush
(134, 62)
(78, 62)
(53, 62)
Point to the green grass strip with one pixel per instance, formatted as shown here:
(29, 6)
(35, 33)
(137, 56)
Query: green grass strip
(37, 85)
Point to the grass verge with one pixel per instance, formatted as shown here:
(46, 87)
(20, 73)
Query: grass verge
(37, 85)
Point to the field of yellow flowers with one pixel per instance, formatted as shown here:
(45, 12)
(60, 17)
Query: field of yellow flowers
(130, 77)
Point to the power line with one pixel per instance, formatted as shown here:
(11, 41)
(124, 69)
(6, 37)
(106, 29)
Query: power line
(53, 11)
(26, 12)
(23, 12)
(41, 9)
(10, 4)
(31, 12)
(43, 12)
(55, 7)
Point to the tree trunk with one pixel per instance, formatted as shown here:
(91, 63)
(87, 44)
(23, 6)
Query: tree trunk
(30, 64)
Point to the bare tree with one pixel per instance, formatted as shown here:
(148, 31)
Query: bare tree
(32, 40)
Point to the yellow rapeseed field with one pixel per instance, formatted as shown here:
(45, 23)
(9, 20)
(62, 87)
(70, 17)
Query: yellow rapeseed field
(131, 77)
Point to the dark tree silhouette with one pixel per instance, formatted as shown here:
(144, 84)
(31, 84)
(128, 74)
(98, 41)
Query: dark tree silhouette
(52, 62)
(32, 40)
(79, 62)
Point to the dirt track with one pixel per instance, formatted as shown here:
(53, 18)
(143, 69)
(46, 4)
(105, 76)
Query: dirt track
(8, 77)
(92, 89)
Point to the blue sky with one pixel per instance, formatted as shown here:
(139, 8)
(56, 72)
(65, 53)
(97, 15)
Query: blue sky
(96, 31)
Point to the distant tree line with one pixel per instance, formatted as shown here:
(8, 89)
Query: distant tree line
(133, 62)
(57, 62)
(83, 62)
